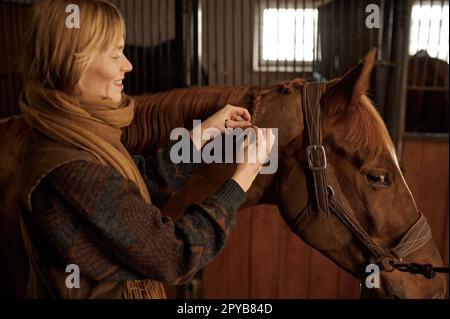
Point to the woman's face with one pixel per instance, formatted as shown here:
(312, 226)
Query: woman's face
(104, 75)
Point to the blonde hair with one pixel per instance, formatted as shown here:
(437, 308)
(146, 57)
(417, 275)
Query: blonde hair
(56, 56)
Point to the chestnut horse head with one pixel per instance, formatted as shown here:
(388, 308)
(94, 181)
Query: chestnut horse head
(358, 210)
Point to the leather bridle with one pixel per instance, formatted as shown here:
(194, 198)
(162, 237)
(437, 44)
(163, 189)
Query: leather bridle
(324, 199)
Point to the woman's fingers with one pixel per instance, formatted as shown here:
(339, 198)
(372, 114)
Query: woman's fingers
(237, 112)
(241, 124)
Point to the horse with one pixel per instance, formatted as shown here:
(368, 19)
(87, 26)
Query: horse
(338, 186)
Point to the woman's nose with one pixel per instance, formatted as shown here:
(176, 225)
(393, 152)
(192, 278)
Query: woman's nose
(127, 66)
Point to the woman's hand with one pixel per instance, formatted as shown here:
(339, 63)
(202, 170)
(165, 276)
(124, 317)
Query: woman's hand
(247, 171)
(229, 117)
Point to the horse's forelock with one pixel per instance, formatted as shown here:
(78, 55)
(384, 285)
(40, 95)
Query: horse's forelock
(361, 132)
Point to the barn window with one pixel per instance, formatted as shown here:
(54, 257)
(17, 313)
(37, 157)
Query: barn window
(427, 88)
(429, 30)
(288, 36)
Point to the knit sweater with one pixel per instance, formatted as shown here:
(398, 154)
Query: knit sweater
(87, 214)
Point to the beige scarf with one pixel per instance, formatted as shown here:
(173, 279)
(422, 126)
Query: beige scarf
(86, 122)
(92, 124)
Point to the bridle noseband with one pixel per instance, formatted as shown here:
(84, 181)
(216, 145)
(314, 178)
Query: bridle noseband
(325, 201)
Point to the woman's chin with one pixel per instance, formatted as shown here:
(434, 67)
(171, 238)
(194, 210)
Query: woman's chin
(117, 98)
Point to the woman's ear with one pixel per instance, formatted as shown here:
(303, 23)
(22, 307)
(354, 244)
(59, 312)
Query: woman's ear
(348, 89)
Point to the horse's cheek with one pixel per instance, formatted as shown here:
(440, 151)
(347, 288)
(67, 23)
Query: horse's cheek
(293, 193)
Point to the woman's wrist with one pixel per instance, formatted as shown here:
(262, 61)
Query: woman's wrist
(244, 179)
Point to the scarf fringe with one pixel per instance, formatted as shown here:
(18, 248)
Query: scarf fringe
(143, 289)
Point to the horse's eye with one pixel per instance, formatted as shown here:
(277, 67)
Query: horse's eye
(378, 179)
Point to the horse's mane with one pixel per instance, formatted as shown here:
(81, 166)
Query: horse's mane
(158, 113)
(360, 131)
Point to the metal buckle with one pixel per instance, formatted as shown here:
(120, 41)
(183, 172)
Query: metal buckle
(386, 263)
(319, 151)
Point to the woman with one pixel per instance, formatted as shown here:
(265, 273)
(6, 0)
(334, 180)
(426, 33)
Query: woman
(84, 200)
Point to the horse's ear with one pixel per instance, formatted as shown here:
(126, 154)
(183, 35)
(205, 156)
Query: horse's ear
(355, 82)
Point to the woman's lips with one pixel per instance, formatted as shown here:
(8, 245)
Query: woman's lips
(118, 84)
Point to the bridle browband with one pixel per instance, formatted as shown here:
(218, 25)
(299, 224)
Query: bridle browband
(324, 198)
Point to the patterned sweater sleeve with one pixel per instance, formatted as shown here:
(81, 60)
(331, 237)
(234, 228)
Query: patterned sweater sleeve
(162, 176)
(91, 216)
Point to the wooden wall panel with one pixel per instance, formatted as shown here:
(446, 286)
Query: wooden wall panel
(264, 259)
(294, 265)
(265, 252)
(239, 258)
(426, 164)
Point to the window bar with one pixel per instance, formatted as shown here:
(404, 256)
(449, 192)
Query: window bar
(343, 30)
(361, 32)
(425, 64)
(439, 41)
(330, 37)
(266, 62)
(391, 28)
(278, 41)
(315, 37)
(8, 59)
(15, 41)
(233, 43)
(216, 37)
(168, 47)
(199, 34)
(251, 34)
(285, 58)
(224, 53)
(260, 47)
(143, 75)
(349, 52)
(303, 39)
(380, 47)
(295, 37)
(313, 62)
(242, 43)
(3, 84)
(154, 62)
(206, 56)
(188, 40)
(320, 34)
(123, 8)
(160, 46)
(414, 78)
(19, 81)
(371, 36)
(135, 57)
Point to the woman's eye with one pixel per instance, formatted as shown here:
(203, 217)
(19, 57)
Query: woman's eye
(378, 179)
(116, 57)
